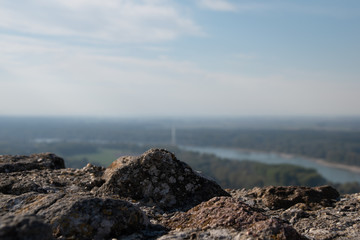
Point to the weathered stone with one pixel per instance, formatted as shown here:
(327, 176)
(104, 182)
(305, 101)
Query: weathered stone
(285, 197)
(341, 220)
(226, 212)
(76, 204)
(28, 227)
(18, 163)
(50, 181)
(77, 216)
(27, 204)
(157, 177)
(209, 234)
(87, 217)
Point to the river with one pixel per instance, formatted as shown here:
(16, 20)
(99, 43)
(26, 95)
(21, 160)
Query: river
(331, 173)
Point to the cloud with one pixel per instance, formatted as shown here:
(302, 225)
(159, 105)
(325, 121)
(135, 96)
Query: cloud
(98, 20)
(217, 5)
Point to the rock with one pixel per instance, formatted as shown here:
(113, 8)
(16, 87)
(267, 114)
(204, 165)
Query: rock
(50, 181)
(341, 221)
(210, 234)
(18, 163)
(143, 198)
(28, 227)
(228, 213)
(158, 178)
(78, 216)
(88, 217)
(285, 197)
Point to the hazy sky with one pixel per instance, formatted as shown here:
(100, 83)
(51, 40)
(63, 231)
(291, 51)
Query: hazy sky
(179, 58)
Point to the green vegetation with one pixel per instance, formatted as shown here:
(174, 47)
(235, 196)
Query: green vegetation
(246, 174)
(334, 146)
(102, 156)
(80, 141)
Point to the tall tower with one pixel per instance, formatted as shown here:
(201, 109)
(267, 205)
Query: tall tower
(173, 135)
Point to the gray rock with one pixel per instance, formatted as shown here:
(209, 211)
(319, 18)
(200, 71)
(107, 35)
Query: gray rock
(50, 181)
(158, 178)
(88, 217)
(77, 216)
(18, 163)
(28, 227)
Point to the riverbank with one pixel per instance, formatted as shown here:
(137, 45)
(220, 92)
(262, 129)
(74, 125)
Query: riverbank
(352, 168)
(333, 172)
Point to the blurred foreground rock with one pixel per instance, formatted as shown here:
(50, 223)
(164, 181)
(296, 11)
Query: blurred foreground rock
(156, 196)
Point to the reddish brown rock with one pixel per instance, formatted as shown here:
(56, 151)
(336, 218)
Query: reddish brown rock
(226, 212)
(285, 197)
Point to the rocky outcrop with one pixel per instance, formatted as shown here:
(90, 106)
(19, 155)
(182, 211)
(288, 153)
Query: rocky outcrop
(158, 178)
(156, 196)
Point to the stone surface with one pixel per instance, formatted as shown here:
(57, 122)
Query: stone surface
(78, 216)
(28, 227)
(155, 196)
(226, 212)
(341, 220)
(285, 197)
(50, 181)
(18, 163)
(158, 178)
(88, 217)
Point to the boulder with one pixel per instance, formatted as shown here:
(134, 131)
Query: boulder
(157, 177)
(24, 227)
(9, 163)
(285, 197)
(77, 216)
(88, 217)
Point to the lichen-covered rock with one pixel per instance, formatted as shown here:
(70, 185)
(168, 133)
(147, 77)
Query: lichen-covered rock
(285, 197)
(228, 213)
(158, 178)
(77, 216)
(87, 217)
(24, 227)
(9, 163)
(38, 195)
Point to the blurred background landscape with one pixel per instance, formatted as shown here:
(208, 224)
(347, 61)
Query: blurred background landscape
(235, 152)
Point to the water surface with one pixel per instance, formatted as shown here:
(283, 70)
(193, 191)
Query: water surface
(332, 174)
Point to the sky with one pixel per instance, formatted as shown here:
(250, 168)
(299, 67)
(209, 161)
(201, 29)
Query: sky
(167, 58)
